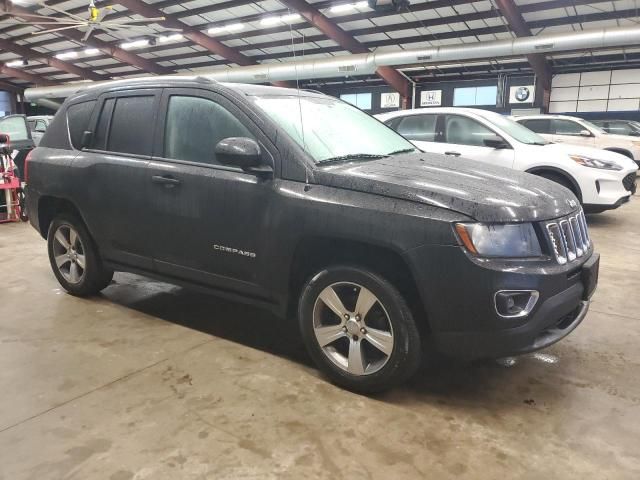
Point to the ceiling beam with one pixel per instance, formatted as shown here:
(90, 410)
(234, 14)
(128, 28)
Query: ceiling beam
(393, 78)
(519, 27)
(10, 87)
(105, 47)
(22, 75)
(196, 36)
(29, 54)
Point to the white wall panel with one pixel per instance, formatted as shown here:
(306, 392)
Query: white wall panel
(562, 107)
(630, 90)
(563, 94)
(626, 104)
(626, 76)
(595, 78)
(596, 92)
(565, 80)
(592, 106)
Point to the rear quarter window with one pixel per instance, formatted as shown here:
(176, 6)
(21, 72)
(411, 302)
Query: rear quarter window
(78, 117)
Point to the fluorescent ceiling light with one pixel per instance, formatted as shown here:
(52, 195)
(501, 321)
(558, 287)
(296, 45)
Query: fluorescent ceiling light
(293, 17)
(268, 21)
(232, 27)
(345, 7)
(62, 56)
(176, 37)
(91, 51)
(15, 63)
(135, 44)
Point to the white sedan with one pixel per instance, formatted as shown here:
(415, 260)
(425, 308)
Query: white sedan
(602, 180)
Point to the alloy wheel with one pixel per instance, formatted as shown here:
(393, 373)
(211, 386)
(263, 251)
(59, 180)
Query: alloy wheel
(353, 328)
(69, 254)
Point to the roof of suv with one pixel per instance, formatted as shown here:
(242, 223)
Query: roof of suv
(166, 81)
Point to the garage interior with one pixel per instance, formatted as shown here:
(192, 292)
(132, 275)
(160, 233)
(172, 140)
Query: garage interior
(151, 380)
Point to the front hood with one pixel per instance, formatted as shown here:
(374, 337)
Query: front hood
(482, 192)
(612, 137)
(566, 149)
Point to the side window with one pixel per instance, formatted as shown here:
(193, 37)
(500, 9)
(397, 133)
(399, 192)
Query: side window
(538, 125)
(195, 126)
(41, 126)
(466, 131)
(132, 125)
(567, 127)
(620, 128)
(78, 116)
(421, 128)
(100, 135)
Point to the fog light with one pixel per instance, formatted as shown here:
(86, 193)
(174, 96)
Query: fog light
(515, 303)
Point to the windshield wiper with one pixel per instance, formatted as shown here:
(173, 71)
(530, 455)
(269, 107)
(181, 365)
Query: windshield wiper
(404, 150)
(351, 156)
(539, 143)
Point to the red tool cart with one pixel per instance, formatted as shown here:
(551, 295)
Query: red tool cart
(11, 193)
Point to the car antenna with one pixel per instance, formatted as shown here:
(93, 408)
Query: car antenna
(307, 186)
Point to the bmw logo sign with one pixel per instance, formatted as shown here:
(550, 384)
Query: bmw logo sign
(522, 94)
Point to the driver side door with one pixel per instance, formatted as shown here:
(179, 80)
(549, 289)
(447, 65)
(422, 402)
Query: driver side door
(464, 137)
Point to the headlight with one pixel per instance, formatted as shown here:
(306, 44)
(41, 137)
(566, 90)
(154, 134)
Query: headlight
(595, 162)
(499, 240)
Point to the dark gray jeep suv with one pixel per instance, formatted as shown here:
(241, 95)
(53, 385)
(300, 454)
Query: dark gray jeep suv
(301, 203)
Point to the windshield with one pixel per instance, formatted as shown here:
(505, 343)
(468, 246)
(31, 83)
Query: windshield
(329, 129)
(518, 131)
(593, 126)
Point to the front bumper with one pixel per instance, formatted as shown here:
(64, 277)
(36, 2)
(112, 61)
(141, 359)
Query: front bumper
(458, 299)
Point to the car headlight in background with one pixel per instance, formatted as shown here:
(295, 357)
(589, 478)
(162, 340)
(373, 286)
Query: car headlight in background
(499, 240)
(595, 162)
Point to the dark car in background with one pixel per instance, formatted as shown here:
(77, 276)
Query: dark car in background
(302, 204)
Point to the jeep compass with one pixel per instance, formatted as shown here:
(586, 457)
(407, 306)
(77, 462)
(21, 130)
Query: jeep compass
(300, 203)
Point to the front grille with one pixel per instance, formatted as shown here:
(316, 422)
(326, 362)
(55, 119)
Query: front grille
(569, 237)
(629, 183)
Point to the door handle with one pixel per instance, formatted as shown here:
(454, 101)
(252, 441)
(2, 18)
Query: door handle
(166, 181)
(453, 154)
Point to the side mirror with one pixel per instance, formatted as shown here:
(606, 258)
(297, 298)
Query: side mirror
(86, 139)
(241, 152)
(496, 142)
(4, 139)
(585, 133)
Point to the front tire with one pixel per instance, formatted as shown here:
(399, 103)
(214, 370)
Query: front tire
(74, 258)
(358, 329)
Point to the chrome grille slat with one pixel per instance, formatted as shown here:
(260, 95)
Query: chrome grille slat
(569, 237)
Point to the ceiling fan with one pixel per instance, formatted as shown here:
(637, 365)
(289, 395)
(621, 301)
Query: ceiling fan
(94, 21)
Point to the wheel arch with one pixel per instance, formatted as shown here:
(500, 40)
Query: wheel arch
(49, 207)
(313, 253)
(621, 151)
(563, 173)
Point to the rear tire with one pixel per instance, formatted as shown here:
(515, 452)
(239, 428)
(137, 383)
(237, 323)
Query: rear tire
(358, 329)
(74, 257)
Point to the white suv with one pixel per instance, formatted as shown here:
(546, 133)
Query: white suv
(601, 180)
(576, 131)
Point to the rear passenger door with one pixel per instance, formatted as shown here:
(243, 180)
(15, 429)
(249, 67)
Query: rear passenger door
(208, 219)
(114, 181)
(421, 130)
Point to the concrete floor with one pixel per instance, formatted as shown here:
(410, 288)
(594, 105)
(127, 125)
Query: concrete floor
(150, 381)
